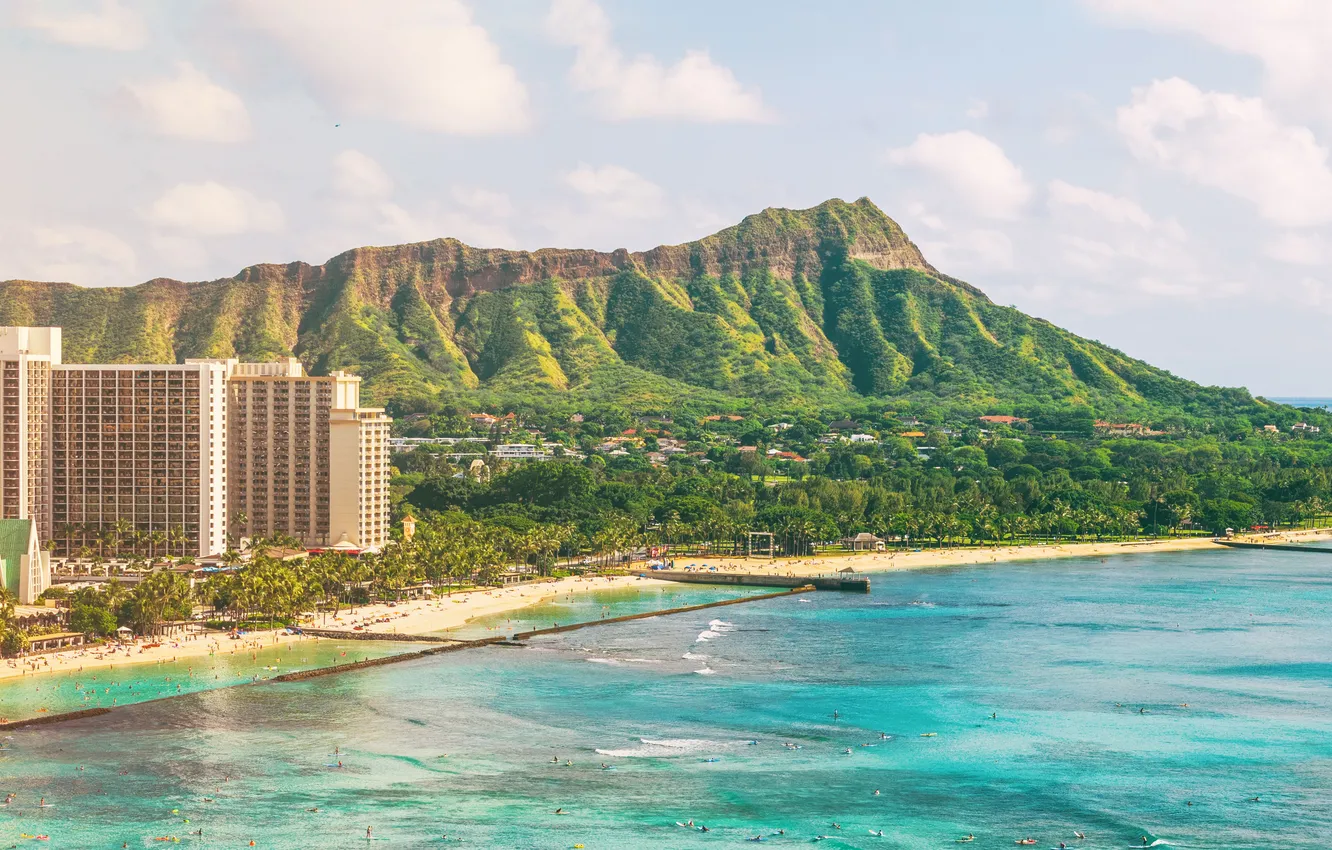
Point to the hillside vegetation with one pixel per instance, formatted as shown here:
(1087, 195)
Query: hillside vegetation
(816, 307)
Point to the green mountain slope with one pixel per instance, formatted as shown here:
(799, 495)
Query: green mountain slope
(818, 306)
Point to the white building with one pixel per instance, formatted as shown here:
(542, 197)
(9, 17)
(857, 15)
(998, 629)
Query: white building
(519, 451)
(25, 568)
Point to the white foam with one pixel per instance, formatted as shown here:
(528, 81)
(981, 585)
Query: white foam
(706, 671)
(707, 636)
(720, 625)
(695, 656)
(601, 661)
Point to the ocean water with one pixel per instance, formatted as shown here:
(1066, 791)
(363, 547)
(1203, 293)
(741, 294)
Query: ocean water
(1143, 697)
(127, 684)
(1305, 401)
(589, 606)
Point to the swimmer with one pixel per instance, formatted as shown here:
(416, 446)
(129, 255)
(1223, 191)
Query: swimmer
(368, 832)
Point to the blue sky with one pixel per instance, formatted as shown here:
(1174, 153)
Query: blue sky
(1150, 173)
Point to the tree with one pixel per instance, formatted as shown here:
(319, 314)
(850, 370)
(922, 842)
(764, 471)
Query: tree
(92, 620)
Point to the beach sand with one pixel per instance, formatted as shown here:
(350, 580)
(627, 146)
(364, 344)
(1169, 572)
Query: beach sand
(412, 617)
(872, 562)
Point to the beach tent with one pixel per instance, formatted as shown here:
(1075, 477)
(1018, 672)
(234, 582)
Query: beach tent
(124, 632)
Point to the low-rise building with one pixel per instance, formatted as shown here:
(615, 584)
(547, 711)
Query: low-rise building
(25, 567)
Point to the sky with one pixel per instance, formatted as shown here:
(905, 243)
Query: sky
(1153, 174)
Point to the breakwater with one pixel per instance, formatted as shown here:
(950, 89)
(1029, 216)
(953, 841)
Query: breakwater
(454, 646)
(857, 584)
(47, 719)
(1284, 547)
(392, 636)
(554, 630)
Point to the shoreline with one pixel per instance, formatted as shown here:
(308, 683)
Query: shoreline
(897, 560)
(413, 617)
(439, 615)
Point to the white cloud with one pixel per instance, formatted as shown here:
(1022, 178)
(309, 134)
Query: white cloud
(69, 253)
(976, 250)
(211, 209)
(364, 203)
(1316, 294)
(356, 175)
(1298, 249)
(1112, 208)
(1292, 38)
(921, 213)
(978, 109)
(107, 25)
(617, 191)
(693, 89)
(494, 204)
(1166, 288)
(421, 63)
(191, 106)
(975, 167)
(1234, 144)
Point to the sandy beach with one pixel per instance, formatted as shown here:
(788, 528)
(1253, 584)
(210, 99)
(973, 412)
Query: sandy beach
(429, 616)
(423, 616)
(875, 562)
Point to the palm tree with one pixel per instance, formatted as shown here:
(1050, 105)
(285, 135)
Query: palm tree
(177, 538)
(155, 539)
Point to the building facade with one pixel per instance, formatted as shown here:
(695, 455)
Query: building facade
(138, 459)
(27, 357)
(185, 459)
(307, 460)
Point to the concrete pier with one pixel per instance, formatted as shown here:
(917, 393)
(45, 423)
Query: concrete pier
(341, 634)
(1284, 547)
(858, 584)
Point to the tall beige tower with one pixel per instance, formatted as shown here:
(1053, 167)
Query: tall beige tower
(27, 356)
(306, 460)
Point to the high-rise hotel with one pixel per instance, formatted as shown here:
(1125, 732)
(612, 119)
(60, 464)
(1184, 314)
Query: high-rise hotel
(184, 459)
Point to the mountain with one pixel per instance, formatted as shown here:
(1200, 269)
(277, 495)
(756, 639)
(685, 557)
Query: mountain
(819, 306)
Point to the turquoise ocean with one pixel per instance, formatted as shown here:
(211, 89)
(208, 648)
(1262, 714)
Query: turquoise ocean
(1181, 699)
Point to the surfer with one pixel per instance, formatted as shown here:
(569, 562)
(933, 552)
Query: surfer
(966, 838)
(1079, 835)
(369, 831)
